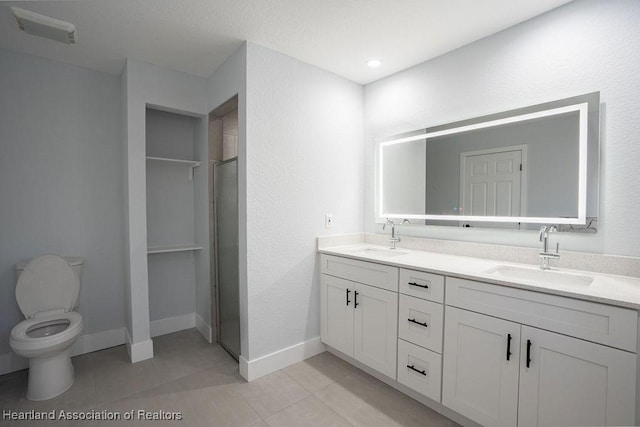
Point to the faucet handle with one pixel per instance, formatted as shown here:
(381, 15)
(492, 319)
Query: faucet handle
(543, 232)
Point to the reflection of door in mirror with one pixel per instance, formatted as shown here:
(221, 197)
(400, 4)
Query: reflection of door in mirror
(491, 183)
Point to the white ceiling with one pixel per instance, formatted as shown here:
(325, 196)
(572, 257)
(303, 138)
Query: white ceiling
(197, 36)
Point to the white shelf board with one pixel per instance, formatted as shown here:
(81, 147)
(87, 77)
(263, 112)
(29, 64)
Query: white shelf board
(192, 163)
(172, 248)
(188, 163)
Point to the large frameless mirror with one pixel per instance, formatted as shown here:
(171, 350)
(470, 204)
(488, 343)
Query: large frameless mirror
(515, 169)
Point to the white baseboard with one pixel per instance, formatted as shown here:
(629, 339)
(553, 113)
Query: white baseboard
(204, 328)
(172, 324)
(254, 369)
(98, 341)
(11, 362)
(139, 351)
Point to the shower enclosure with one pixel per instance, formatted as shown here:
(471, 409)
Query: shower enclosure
(225, 224)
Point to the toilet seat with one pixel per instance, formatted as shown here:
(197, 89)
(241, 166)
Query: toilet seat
(21, 341)
(47, 283)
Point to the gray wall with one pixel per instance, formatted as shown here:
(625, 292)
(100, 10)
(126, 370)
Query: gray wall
(61, 181)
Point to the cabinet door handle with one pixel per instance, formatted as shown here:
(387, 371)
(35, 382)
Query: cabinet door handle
(413, 368)
(508, 346)
(528, 353)
(418, 323)
(420, 286)
(348, 290)
(355, 299)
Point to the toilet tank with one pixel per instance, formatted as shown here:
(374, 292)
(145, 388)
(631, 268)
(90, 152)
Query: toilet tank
(76, 263)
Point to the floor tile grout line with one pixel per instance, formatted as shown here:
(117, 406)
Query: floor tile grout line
(297, 382)
(333, 410)
(285, 407)
(311, 394)
(248, 402)
(93, 381)
(161, 383)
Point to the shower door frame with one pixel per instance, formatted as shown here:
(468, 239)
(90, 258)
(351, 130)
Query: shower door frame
(216, 291)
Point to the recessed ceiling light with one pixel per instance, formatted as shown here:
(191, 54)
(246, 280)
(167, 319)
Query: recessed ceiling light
(374, 63)
(44, 26)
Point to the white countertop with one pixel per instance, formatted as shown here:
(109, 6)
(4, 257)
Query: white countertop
(621, 291)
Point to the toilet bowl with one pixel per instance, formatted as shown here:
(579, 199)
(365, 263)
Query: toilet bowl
(47, 292)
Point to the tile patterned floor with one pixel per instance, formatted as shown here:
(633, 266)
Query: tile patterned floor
(201, 381)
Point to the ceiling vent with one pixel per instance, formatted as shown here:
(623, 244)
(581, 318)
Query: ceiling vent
(45, 26)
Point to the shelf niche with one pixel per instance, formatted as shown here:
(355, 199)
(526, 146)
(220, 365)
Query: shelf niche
(171, 200)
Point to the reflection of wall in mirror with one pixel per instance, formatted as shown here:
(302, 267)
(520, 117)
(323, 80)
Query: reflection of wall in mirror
(552, 145)
(404, 177)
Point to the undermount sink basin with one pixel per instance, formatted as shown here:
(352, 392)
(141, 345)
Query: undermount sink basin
(381, 252)
(540, 276)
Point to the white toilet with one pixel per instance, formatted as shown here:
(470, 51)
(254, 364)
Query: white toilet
(47, 293)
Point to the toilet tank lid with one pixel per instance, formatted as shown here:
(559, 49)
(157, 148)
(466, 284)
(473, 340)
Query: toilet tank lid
(73, 261)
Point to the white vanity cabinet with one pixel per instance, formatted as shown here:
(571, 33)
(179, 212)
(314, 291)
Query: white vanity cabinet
(501, 368)
(498, 355)
(358, 319)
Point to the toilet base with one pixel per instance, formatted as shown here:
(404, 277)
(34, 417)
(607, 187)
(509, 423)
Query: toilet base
(50, 376)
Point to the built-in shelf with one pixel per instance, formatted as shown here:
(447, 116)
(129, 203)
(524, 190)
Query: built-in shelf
(188, 163)
(172, 248)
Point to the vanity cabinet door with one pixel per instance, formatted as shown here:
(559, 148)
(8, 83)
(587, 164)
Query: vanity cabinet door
(477, 380)
(572, 382)
(376, 328)
(336, 316)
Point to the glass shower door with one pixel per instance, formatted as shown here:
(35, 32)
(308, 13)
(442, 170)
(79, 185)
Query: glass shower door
(225, 178)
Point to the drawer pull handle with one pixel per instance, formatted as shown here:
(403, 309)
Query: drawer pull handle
(355, 299)
(528, 353)
(418, 323)
(348, 290)
(416, 284)
(508, 346)
(413, 368)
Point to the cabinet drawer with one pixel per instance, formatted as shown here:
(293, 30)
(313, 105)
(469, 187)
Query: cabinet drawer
(600, 323)
(422, 285)
(413, 315)
(426, 375)
(381, 276)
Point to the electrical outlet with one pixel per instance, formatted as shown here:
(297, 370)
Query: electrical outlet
(328, 220)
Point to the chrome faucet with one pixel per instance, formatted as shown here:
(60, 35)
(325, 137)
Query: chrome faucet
(394, 239)
(545, 255)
